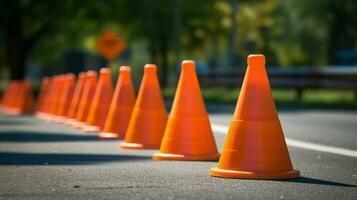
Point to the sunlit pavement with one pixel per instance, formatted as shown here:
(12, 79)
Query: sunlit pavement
(43, 160)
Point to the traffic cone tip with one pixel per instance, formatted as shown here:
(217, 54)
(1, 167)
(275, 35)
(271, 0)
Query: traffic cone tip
(256, 59)
(125, 69)
(104, 71)
(150, 68)
(189, 65)
(91, 73)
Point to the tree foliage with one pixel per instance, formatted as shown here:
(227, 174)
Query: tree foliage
(290, 33)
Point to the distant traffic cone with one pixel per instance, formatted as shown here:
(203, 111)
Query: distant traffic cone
(55, 102)
(77, 94)
(101, 101)
(24, 102)
(8, 95)
(29, 100)
(48, 99)
(148, 119)
(45, 83)
(86, 99)
(121, 106)
(188, 134)
(255, 146)
(65, 97)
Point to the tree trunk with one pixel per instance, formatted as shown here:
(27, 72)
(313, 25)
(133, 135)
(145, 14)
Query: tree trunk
(15, 44)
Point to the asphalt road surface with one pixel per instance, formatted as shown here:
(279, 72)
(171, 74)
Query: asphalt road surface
(44, 160)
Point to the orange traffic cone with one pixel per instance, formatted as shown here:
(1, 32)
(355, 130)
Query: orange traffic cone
(42, 98)
(121, 106)
(65, 97)
(29, 100)
(48, 99)
(45, 83)
(99, 108)
(24, 102)
(86, 99)
(255, 146)
(188, 134)
(77, 94)
(55, 102)
(8, 95)
(148, 120)
(11, 96)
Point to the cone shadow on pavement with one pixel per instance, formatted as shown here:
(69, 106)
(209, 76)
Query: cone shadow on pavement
(121, 107)
(188, 134)
(21, 158)
(148, 119)
(255, 146)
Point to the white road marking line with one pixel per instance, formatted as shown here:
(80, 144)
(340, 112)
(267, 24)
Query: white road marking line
(300, 144)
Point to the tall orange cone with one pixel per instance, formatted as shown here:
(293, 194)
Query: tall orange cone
(86, 99)
(24, 102)
(77, 94)
(255, 146)
(42, 111)
(121, 106)
(55, 102)
(148, 120)
(65, 97)
(101, 101)
(29, 100)
(45, 83)
(8, 95)
(50, 98)
(188, 134)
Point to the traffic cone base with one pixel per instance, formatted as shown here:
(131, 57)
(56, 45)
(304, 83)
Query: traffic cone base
(89, 128)
(69, 121)
(150, 132)
(74, 123)
(42, 115)
(79, 125)
(127, 145)
(58, 119)
(12, 111)
(250, 131)
(39, 114)
(178, 143)
(168, 156)
(48, 117)
(106, 135)
(254, 175)
(61, 119)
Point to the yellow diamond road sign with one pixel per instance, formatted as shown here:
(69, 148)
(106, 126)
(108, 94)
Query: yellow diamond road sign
(110, 45)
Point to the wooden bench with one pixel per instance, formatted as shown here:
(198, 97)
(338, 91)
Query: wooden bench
(336, 78)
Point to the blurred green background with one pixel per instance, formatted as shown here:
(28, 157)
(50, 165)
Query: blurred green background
(46, 37)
